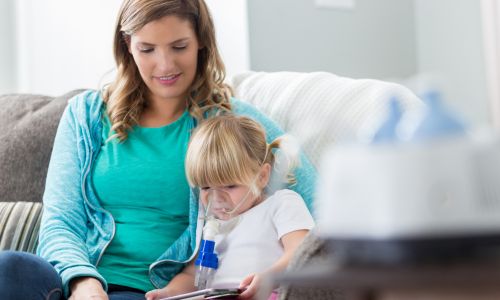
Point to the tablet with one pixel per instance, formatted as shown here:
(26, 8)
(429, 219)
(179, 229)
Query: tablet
(208, 294)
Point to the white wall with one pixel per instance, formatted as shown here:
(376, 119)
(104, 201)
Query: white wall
(67, 44)
(7, 47)
(53, 46)
(231, 24)
(64, 44)
(490, 13)
(450, 47)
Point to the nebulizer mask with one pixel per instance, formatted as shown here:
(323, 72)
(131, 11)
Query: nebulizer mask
(221, 215)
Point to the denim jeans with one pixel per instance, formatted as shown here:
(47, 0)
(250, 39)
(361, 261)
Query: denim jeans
(126, 296)
(29, 277)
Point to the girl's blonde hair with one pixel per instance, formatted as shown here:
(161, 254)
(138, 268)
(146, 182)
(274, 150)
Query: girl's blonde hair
(126, 95)
(228, 149)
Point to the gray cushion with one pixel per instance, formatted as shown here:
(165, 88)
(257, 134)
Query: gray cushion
(28, 125)
(27, 128)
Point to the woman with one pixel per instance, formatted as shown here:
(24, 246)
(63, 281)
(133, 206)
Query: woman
(119, 217)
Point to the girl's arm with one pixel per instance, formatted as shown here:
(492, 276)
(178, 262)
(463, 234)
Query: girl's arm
(180, 284)
(290, 243)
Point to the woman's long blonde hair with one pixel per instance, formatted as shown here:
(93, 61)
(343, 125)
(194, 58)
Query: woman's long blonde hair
(228, 149)
(125, 97)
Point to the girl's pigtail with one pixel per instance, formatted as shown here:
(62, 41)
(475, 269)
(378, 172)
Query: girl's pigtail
(285, 160)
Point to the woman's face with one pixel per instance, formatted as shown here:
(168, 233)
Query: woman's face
(166, 54)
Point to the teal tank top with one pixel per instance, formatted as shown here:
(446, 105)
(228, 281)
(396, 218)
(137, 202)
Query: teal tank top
(142, 183)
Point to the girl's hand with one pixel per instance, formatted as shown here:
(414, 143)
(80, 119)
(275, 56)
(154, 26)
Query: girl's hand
(251, 284)
(87, 288)
(157, 294)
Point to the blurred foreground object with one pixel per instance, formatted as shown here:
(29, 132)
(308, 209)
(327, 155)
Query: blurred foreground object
(419, 192)
(414, 213)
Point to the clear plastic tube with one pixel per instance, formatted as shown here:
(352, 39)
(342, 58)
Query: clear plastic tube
(204, 277)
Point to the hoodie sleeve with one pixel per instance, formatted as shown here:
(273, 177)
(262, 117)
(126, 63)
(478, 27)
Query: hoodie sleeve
(64, 222)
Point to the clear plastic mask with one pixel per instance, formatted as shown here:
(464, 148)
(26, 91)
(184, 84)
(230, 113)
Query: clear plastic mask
(218, 204)
(221, 212)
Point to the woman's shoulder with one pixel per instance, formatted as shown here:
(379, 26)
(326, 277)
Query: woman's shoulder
(88, 100)
(85, 108)
(243, 108)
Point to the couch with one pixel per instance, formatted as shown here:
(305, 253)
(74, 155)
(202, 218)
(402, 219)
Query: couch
(320, 109)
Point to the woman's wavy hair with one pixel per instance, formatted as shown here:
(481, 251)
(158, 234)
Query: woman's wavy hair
(125, 97)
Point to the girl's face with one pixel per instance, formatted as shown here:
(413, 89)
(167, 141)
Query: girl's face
(166, 54)
(224, 199)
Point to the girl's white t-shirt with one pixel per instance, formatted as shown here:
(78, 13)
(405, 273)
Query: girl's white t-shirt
(253, 245)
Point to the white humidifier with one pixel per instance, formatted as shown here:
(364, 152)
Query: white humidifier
(433, 197)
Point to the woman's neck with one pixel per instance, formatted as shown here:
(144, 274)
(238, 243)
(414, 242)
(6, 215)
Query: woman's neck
(161, 113)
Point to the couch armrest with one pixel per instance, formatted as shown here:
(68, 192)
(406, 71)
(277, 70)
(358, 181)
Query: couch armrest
(19, 225)
(312, 251)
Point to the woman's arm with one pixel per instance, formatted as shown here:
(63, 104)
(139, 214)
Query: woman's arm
(63, 229)
(290, 243)
(180, 284)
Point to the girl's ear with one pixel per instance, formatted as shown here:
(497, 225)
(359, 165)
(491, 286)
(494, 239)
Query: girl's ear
(264, 175)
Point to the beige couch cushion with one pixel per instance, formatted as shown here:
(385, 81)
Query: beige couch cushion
(321, 108)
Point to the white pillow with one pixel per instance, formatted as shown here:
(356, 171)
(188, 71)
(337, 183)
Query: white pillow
(320, 108)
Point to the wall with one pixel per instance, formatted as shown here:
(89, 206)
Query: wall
(376, 39)
(231, 24)
(65, 45)
(450, 47)
(383, 39)
(52, 46)
(7, 47)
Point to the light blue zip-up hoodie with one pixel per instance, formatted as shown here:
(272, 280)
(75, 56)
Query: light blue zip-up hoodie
(75, 229)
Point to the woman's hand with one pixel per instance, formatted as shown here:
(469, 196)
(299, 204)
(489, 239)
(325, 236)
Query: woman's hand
(87, 288)
(157, 294)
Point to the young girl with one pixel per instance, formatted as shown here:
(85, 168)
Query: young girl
(228, 158)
